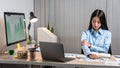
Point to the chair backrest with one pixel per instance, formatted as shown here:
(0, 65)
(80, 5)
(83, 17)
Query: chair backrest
(109, 51)
(82, 51)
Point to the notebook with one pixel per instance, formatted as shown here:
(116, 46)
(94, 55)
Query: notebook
(53, 52)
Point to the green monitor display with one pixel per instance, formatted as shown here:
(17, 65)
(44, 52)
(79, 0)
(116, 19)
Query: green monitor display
(14, 27)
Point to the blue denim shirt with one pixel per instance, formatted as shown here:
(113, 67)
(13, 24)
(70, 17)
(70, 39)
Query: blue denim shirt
(99, 41)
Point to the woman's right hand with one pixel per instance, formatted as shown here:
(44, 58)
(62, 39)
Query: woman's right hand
(84, 42)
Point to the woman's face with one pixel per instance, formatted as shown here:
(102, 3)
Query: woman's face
(96, 23)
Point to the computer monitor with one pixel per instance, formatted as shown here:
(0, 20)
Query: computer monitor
(15, 29)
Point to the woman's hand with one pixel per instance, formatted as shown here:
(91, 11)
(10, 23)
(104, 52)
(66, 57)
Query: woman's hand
(93, 56)
(84, 42)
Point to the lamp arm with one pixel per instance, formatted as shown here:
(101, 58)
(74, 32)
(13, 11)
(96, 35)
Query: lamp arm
(29, 26)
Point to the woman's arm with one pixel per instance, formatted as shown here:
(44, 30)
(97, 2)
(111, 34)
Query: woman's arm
(84, 43)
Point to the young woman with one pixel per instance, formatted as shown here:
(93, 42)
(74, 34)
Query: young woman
(97, 38)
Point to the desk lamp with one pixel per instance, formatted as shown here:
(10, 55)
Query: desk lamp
(33, 19)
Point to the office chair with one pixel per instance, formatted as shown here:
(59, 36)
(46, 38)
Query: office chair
(109, 51)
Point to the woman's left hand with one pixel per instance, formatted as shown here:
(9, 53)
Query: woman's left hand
(93, 56)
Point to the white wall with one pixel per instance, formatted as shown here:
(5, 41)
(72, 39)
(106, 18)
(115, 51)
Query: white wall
(24, 6)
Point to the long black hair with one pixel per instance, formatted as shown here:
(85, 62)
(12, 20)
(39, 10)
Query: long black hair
(101, 15)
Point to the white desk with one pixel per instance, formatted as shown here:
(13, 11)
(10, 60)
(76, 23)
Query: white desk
(72, 63)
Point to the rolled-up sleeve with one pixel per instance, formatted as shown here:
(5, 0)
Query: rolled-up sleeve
(85, 49)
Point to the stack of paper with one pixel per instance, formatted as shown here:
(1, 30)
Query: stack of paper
(102, 55)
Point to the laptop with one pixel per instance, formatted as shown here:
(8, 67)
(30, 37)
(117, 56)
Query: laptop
(53, 52)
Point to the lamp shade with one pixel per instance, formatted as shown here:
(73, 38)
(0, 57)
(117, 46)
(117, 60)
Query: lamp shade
(33, 18)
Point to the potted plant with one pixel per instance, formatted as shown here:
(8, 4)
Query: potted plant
(30, 43)
(50, 28)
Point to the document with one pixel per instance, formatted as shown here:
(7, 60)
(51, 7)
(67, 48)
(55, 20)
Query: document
(102, 55)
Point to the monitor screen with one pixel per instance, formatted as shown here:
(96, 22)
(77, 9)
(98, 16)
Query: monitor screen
(14, 28)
